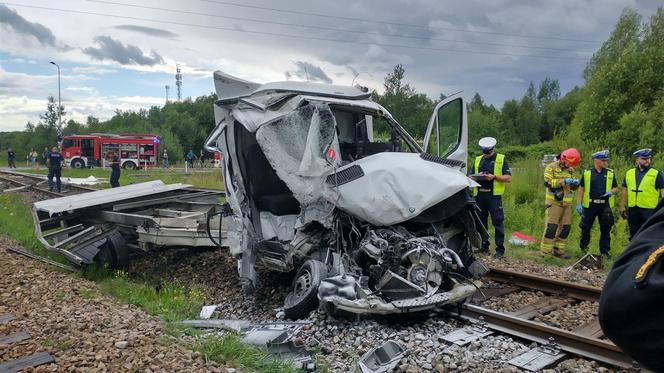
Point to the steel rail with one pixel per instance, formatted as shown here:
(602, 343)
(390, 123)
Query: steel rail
(592, 348)
(43, 177)
(25, 186)
(547, 285)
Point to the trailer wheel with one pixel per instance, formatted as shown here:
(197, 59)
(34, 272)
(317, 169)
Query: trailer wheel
(129, 165)
(77, 163)
(303, 295)
(114, 253)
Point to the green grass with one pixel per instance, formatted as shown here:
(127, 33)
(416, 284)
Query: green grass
(229, 347)
(61, 345)
(16, 222)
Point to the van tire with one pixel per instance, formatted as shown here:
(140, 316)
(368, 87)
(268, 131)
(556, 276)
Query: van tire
(113, 254)
(303, 295)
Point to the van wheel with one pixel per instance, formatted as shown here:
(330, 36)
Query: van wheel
(129, 165)
(303, 295)
(114, 253)
(77, 163)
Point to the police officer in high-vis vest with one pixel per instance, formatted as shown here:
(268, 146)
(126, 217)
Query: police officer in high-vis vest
(642, 189)
(491, 171)
(595, 199)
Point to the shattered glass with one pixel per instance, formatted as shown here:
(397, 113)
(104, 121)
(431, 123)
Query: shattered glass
(297, 145)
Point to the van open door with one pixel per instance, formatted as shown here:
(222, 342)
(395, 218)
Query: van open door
(447, 132)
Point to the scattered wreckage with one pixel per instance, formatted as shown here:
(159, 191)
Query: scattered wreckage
(319, 180)
(100, 226)
(324, 181)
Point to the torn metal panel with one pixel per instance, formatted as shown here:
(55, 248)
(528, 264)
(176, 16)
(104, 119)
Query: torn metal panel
(382, 359)
(105, 196)
(225, 324)
(278, 339)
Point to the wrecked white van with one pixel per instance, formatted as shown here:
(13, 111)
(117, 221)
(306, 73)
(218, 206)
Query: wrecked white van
(323, 181)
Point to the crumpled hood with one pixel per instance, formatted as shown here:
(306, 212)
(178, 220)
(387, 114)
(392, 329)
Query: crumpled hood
(397, 187)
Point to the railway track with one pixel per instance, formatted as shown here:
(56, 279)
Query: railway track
(37, 183)
(586, 341)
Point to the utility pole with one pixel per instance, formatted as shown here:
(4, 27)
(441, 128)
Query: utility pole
(167, 89)
(178, 81)
(59, 129)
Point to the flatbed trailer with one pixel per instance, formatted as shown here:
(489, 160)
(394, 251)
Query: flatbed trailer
(101, 226)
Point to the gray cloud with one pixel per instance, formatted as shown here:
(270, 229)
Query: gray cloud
(111, 49)
(20, 25)
(308, 71)
(149, 31)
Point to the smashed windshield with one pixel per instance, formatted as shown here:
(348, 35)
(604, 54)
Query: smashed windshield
(299, 145)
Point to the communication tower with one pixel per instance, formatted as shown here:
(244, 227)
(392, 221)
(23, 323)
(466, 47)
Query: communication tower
(178, 81)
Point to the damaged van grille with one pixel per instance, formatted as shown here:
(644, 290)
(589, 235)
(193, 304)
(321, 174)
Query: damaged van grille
(344, 176)
(443, 161)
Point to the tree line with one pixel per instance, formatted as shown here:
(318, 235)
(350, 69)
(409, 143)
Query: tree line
(620, 106)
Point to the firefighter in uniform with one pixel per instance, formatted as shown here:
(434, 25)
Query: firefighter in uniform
(491, 171)
(642, 189)
(54, 164)
(630, 308)
(559, 197)
(596, 198)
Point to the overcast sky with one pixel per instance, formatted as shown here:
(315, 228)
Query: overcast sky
(120, 54)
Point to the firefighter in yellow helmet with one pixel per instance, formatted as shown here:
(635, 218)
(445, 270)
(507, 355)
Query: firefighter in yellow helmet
(560, 186)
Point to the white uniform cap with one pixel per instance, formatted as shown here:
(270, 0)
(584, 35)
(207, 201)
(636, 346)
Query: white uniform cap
(487, 142)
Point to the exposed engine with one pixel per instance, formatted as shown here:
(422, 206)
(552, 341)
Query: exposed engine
(403, 266)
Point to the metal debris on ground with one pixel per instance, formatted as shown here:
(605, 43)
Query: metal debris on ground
(225, 324)
(277, 338)
(468, 334)
(207, 311)
(381, 359)
(41, 258)
(587, 261)
(539, 357)
(100, 226)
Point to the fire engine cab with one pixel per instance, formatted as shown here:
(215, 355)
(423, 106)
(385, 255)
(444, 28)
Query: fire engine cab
(136, 150)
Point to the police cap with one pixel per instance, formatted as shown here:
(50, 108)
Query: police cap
(487, 143)
(643, 153)
(602, 154)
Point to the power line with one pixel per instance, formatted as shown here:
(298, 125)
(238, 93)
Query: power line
(331, 28)
(394, 23)
(303, 37)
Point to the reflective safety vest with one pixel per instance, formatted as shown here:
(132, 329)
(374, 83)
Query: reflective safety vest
(498, 187)
(556, 190)
(587, 176)
(644, 195)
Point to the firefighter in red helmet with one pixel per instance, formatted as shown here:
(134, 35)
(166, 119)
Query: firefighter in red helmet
(560, 186)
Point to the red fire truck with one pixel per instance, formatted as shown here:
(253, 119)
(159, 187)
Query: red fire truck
(136, 150)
